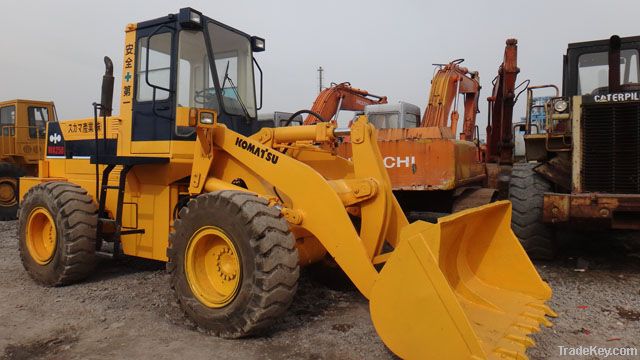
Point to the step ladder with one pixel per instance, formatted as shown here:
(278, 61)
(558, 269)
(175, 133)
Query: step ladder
(110, 161)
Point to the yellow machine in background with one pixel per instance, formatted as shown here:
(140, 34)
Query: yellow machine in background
(177, 177)
(22, 129)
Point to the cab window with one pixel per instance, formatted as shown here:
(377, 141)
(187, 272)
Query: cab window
(593, 71)
(159, 67)
(411, 120)
(8, 119)
(195, 83)
(390, 120)
(38, 117)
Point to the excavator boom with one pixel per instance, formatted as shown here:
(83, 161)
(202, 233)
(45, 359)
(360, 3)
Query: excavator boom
(450, 81)
(501, 102)
(341, 97)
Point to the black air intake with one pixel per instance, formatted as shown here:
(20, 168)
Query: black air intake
(611, 148)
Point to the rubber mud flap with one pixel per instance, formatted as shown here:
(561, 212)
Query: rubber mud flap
(463, 288)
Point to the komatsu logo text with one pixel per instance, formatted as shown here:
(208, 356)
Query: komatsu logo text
(617, 97)
(257, 151)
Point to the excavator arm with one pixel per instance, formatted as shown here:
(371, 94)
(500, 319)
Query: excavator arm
(450, 81)
(341, 97)
(499, 128)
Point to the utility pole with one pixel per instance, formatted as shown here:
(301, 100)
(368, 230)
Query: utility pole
(320, 86)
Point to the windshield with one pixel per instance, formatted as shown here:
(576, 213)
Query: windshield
(384, 120)
(234, 68)
(593, 70)
(195, 83)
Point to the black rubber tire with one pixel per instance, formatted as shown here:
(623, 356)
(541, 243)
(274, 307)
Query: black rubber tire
(75, 216)
(10, 173)
(526, 192)
(268, 262)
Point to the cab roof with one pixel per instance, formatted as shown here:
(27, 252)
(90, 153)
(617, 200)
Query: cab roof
(603, 42)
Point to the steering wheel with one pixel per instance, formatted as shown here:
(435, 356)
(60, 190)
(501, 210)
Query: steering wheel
(205, 96)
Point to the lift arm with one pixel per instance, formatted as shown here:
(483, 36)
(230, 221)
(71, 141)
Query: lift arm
(462, 288)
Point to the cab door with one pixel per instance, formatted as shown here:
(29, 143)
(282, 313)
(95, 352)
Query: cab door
(31, 136)
(7, 129)
(154, 96)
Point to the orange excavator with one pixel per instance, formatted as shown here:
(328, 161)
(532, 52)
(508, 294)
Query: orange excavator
(449, 82)
(338, 97)
(432, 172)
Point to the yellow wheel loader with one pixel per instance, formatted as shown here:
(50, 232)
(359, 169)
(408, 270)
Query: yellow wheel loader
(22, 128)
(176, 177)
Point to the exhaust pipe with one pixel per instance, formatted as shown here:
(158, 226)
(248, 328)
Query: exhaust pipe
(614, 64)
(106, 97)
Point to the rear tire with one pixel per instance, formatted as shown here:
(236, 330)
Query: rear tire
(57, 233)
(9, 175)
(251, 271)
(526, 192)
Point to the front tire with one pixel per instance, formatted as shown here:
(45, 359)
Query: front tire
(9, 175)
(57, 233)
(233, 263)
(526, 192)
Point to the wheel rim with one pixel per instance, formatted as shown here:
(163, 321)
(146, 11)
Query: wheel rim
(8, 192)
(212, 267)
(41, 235)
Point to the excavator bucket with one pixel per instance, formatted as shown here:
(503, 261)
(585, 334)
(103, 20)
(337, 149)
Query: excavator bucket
(463, 288)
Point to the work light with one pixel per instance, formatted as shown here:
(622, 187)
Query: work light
(189, 18)
(257, 44)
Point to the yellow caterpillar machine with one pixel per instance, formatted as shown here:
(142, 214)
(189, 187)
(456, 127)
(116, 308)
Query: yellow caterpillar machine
(175, 178)
(22, 127)
(583, 158)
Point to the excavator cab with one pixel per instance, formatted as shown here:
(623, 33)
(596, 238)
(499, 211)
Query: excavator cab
(393, 116)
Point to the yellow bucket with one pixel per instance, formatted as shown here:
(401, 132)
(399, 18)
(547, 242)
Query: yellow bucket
(463, 288)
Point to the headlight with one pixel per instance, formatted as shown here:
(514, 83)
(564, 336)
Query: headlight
(560, 105)
(206, 118)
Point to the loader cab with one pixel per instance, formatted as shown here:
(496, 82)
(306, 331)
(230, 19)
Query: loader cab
(22, 129)
(180, 64)
(586, 67)
(590, 76)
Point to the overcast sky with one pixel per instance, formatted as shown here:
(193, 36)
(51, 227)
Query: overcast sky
(53, 49)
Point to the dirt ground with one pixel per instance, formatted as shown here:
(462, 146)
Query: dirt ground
(126, 310)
